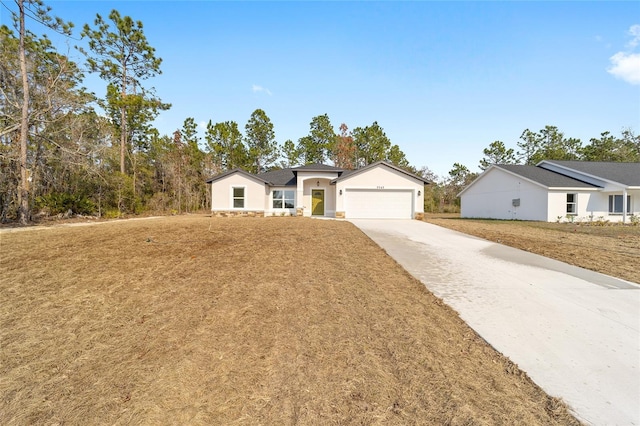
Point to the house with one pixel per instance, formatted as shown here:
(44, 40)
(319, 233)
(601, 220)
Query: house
(555, 190)
(379, 190)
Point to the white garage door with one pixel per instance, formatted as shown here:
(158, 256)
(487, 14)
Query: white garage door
(378, 204)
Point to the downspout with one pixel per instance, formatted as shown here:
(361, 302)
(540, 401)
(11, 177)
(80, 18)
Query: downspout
(624, 205)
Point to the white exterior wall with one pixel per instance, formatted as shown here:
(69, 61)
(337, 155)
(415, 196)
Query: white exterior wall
(594, 205)
(383, 178)
(492, 195)
(558, 204)
(255, 193)
(307, 181)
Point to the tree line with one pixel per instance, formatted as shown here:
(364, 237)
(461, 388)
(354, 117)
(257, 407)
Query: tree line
(64, 149)
(551, 144)
(532, 147)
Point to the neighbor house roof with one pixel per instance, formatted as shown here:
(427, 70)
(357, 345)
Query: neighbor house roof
(349, 173)
(627, 174)
(239, 171)
(544, 177)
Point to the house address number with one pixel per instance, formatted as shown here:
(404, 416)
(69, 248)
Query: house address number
(379, 187)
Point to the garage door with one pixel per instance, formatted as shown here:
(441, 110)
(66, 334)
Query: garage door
(378, 204)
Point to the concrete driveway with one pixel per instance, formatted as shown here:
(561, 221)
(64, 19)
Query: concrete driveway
(575, 332)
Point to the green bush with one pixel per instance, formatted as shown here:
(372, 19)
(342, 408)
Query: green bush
(61, 202)
(112, 214)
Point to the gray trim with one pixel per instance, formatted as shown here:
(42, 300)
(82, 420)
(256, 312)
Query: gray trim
(239, 171)
(316, 167)
(289, 177)
(350, 173)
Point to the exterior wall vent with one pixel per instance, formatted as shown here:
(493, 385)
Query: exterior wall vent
(515, 202)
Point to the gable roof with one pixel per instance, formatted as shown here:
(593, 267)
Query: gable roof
(239, 171)
(627, 174)
(282, 177)
(288, 177)
(349, 173)
(544, 177)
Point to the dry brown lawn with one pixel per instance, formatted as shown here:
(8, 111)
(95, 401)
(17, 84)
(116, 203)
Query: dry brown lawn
(613, 249)
(192, 320)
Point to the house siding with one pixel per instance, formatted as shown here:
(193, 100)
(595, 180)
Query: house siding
(595, 206)
(558, 205)
(492, 197)
(308, 181)
(381, 177)
(255, 194)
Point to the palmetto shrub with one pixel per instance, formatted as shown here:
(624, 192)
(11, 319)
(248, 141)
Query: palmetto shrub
(62, 202)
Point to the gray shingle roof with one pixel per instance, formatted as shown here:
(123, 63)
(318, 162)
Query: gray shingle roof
(284, 177)
(625, 173)
(545, 177)
(287, 177)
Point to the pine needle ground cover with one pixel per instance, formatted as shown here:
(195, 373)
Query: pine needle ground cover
(193, 320)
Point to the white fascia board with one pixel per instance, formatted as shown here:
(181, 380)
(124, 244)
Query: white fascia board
(576, 189)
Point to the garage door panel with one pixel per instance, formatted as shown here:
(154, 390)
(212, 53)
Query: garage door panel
(378, 204)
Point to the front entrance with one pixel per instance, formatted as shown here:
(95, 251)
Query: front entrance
(317, 202)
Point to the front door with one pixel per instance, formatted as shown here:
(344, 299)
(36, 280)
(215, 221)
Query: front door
(317, 202)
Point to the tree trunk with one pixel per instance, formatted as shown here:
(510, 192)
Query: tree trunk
(24, 214)
(123, 119)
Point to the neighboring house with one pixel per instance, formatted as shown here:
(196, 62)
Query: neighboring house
(379, 190)
(555, 190)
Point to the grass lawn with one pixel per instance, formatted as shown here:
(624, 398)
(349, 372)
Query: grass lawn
(613, 249)
(192, 320)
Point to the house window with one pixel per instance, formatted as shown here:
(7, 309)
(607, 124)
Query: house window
(283, 199)
(238, 197)
(572, 203)
(615, 204)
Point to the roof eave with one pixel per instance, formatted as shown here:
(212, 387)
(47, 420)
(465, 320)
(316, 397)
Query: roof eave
(239, 171)
(385, 163)
(612, 182)
(495, 166)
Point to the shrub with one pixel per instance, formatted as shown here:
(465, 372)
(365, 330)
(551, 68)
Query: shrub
(112, 214)
(61, 202)
(601, 221)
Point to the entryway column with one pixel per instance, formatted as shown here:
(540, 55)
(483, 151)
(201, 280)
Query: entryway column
(624, 205)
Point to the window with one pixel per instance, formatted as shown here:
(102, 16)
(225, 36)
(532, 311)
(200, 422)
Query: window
(615, 204)
(238, 197)
(283, 199)
(572, 203)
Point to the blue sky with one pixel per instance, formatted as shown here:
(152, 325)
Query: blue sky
(444, 79)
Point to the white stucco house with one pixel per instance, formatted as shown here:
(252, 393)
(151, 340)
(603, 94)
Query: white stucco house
(555, 190)
(379, 190)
